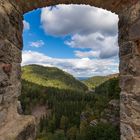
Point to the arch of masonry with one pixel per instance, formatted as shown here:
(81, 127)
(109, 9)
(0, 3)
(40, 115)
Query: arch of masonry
(17, 127)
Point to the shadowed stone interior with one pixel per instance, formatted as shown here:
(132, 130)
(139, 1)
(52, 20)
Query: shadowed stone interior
(17, 127)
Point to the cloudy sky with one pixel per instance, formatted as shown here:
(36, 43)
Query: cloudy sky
(81, 40)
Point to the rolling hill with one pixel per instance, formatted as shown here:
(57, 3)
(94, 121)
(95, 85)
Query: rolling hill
(59, 103)
(97, 80)
(51, 77)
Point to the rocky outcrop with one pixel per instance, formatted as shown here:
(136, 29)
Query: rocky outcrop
(19, 128)
(111, 113)
(40, 111)
(93, 123)
(11, 15)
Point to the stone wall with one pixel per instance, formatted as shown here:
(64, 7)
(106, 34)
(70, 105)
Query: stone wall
(129, 35)
(14, 126)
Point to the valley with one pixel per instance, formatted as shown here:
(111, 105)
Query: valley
(63, 108)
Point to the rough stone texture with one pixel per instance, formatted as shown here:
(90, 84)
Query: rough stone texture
(12, 125)
(21, 128)
(129, 38)
(111, 113)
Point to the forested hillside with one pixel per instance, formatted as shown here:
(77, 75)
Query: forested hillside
(71, 114)
(97, 80)
(51, 77)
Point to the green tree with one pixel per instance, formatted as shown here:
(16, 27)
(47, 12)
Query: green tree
(102, 132)
(72, 133)
(52, 125)
(64, 123)
(59, 135)
(83, 128)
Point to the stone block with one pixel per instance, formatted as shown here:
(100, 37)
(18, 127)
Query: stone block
(19, 128)
(134, 31)
(130, 65)
(134, 66)
(4, 81)
(127, 83)
(127, 131)
(9, 53)
(124, 65)
(127, 48)
(1, 98)
(12, 20)
(3, 115)
(12, 92)
(15, 75)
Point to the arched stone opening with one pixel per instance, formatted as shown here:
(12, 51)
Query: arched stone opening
(12, 125)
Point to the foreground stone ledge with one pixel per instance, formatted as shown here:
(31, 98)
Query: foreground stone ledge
(19, 128)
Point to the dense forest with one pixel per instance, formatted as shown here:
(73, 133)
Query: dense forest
(95, 81)
(71, 114)
(51, 77)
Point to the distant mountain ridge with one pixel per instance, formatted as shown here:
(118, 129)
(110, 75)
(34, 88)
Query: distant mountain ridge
(82, 78)
(94, 81)
(51, 77)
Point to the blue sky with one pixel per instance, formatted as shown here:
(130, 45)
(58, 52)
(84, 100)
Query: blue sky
(53, 46)
(81, 40)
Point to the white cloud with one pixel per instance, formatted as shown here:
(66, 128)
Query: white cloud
(37, 44)
(79, 67)
(93, 36)
(26, 25)
(67, 19)
(90, 27)
(83, 54)
(106, 47)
